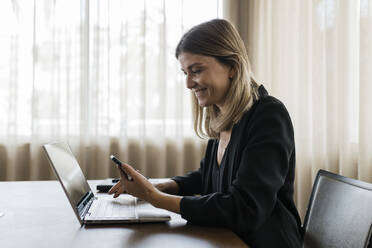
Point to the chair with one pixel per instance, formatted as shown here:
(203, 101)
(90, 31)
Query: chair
(339, 213)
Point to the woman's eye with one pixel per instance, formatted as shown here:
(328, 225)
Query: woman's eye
(196, 71)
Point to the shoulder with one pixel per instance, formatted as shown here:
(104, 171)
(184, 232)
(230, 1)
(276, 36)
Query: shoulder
(267, 125)
(268, 117)
(271, 106)
(265, 104)
(265, 110)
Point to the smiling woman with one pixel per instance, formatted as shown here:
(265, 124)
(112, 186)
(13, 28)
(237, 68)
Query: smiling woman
(245, 181)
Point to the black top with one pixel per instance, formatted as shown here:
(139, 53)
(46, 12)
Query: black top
(217, 170)
(253, 195)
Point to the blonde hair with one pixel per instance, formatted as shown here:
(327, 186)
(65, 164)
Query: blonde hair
(219, 39)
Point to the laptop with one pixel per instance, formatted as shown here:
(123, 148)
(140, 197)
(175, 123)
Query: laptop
(100, 208)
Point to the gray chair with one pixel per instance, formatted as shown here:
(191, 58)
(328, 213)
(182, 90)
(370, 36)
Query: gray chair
(339, 213)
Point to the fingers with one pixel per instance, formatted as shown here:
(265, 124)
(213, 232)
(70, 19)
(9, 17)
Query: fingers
(117, 193)
(130, 170)
(124, 169)
(117, 189)
(124, 175)
(114, 188)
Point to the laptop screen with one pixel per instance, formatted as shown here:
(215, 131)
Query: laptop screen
(68, 171)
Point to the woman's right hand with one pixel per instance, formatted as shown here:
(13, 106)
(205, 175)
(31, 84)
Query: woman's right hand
(169, 187)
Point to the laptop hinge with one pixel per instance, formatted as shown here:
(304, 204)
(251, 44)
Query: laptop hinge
(83, 206)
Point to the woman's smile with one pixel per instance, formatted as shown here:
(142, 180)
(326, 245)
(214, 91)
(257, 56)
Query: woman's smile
(200, 92)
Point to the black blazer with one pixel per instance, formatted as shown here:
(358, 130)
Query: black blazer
(256, 196)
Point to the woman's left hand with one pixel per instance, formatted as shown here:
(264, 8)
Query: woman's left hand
(139, 186)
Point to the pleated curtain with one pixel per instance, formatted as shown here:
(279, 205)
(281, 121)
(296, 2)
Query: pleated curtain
(102, 76)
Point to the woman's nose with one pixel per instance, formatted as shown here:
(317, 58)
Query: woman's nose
(190, 83)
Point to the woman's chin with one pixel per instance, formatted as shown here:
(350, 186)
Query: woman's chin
(202, 103)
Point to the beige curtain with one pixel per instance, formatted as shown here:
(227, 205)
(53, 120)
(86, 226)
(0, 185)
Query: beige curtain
(102, 76)
(315, 56)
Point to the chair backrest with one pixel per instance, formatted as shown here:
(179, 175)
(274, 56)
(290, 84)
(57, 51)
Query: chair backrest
(339, 213)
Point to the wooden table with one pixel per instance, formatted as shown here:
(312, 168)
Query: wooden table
(38, 214)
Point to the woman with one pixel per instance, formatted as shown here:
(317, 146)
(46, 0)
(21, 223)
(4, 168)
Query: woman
(245, 181)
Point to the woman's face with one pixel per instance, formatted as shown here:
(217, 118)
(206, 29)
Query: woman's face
(208, 78)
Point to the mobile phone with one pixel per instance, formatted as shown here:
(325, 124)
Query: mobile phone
(118, 163)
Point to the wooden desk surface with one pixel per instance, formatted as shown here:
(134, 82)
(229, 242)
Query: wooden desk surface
(38, 214)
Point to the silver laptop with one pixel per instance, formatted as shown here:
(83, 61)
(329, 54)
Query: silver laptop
(100, 208)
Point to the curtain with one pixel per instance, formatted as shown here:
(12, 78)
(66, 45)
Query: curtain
(315, 56)
(102, 76)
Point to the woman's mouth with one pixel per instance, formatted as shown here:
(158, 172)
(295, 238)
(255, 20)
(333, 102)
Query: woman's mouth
(200, 92)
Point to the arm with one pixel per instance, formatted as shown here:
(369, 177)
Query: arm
(166, 201)
(190, 183)
(161, 195)
(169, 187)
(142, 188)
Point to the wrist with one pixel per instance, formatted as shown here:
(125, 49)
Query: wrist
(166, 201)
(155, 197)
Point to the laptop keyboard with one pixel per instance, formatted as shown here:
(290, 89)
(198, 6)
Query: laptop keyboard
(113, 208)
